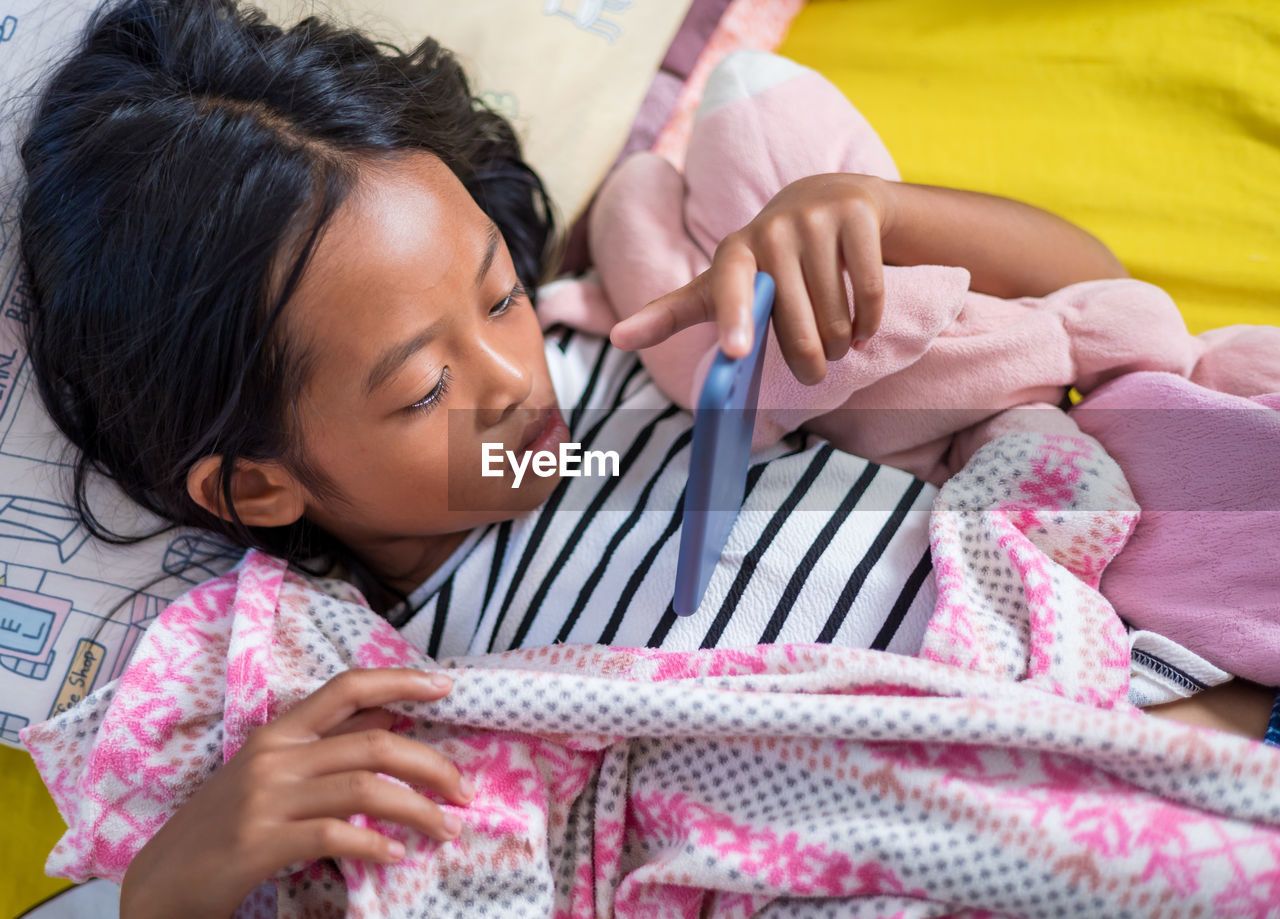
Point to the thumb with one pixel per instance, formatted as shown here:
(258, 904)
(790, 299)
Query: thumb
(659, 319)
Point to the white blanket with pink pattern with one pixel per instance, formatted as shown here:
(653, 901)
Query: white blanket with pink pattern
(1000, 773)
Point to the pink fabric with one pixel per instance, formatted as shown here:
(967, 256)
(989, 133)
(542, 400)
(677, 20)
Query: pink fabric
(1203, 566)
(710, 785)
(945, 359)
(744, 24)
(711, 30)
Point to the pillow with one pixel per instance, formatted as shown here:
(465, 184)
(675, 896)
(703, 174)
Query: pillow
(569, 74)
(72, 607)
(56, 583)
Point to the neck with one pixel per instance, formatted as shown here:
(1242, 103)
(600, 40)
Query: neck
(404, 565)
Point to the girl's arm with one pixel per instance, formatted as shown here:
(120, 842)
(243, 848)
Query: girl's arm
(285, 796)
(821, 225)
(1011, 249)
(1237, 707)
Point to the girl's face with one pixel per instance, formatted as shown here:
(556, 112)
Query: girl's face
(419, 346)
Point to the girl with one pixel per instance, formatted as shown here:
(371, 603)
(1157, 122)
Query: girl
(283, 285)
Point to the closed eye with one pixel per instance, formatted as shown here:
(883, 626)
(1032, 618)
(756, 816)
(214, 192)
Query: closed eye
(506, 302)
(429, 401)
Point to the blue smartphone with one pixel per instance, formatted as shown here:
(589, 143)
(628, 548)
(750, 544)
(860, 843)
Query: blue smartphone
(722, 431)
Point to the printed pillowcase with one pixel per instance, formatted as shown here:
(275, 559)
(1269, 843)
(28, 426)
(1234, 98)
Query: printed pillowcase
(58, 586)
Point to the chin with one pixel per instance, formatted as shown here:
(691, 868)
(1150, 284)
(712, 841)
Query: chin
(532, 494)
(504, 502)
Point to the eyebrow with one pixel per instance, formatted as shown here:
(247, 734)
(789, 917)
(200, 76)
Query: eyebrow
(490, 251)
(394, 357)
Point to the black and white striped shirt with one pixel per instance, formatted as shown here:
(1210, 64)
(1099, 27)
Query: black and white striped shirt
(828, 547)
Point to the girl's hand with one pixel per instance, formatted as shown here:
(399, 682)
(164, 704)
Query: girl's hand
(804, 237)
(286, 793)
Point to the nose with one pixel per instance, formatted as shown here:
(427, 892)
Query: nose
(507, 378)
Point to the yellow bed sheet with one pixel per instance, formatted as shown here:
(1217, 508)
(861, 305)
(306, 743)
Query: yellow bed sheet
(1155, 124)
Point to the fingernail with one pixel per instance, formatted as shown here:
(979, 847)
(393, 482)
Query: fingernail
(395, 850)
(859, 343)
(452, 825)
(440, 681)
(738, 339)
(466, 788)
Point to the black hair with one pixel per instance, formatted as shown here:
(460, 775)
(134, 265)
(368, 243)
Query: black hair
(180, 167)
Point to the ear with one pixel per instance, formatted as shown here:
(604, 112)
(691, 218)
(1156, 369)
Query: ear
(265, 494)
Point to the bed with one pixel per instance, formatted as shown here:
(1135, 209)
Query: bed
(1155, 126)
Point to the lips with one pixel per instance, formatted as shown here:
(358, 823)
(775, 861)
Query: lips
(536, 428)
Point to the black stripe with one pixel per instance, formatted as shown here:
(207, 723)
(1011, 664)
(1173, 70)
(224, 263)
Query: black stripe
(622, 394)
(576, 415)
(801, 575)
(668, 618)
(535, 541)
(637, 577)
(752, 559)
(859, 576)
(685, 438)
(1167, 670)
(587, 440)
(904, 601)
(585, 520)
(665, 622)
(495, 567)
(616, 377)
(565, 337)
(399, 617)
(442, 613)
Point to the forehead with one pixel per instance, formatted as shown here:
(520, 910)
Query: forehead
(401, 249)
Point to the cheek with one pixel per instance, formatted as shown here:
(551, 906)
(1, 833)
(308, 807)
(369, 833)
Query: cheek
(530, 342)
(408, 483)
(422, 453)
(380, 465)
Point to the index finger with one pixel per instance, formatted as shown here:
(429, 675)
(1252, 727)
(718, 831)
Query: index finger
(353, 690)
(733, 282)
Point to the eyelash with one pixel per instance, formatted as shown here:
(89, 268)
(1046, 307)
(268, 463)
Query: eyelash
(515, 293)
(428, 402)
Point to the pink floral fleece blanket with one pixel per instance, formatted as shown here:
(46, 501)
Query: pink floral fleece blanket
(999, 773)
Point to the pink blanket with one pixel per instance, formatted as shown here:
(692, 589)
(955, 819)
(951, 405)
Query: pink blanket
(1001, 773)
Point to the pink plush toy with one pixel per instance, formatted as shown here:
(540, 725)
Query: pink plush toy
(1203, 564)
(937, 379)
